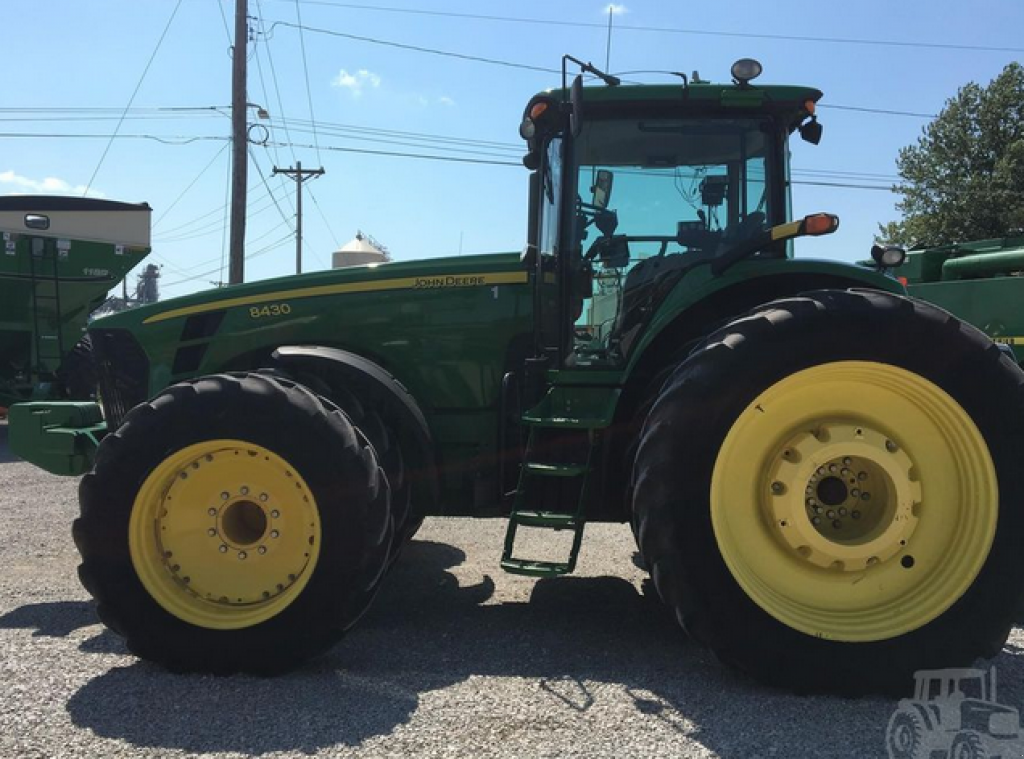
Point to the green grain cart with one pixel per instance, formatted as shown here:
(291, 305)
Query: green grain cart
(823, 474)
(61, 256)
(981, 282)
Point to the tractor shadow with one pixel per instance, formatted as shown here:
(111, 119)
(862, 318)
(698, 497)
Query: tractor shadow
(582, 640)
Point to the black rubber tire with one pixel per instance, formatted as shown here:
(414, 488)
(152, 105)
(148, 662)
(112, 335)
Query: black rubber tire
(309, 432)
(371, 423)
(701, 401)
(77, 372)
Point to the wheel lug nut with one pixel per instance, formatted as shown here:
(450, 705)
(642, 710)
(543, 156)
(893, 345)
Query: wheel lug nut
(778, 488)
(815, 520)
(821, 470)
(855, 514)
(212, 512)
(275, 513)
(844, 471)
(223, 548)
(833, 468)
(244, 490)
(855, 493)
(842, 512)
(865, 496)
(263, 497)
(847, 461)
(275, 534)
(262, 549)
(830, 514)
(211, 532)
(862, 476)
(817, 509)
(242, 555)
(225, 495)
(837, 524)
(891, 446)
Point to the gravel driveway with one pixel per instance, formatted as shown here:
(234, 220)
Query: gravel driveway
(455, 659)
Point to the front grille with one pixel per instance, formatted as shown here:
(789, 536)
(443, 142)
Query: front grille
(123, 371)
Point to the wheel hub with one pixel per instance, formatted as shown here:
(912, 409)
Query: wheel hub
(234, 532)
(843, 496)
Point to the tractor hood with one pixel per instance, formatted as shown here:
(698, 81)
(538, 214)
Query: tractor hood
(434, 273)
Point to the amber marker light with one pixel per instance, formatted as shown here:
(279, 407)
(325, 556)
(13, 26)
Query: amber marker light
(820, 224)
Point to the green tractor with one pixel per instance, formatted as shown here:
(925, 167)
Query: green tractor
(982, 282)
(822, 474)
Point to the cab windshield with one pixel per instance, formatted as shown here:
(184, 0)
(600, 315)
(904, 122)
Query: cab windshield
(652, 194)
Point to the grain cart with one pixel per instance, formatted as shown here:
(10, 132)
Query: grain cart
(61, 255)
(981, 282)
(822, 474)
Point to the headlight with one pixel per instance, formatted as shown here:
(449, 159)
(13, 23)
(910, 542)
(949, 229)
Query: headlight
(889, 257)
(746, 69)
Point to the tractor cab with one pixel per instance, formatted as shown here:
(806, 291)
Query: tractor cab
(635, 186)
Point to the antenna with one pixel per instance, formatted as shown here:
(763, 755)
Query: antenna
(608, 47)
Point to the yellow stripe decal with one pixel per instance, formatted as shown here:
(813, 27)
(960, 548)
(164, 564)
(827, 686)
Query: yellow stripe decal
(404, 283)
(1009, 340)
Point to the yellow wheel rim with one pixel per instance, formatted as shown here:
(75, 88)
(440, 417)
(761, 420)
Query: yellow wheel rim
(854, 501)
(224, 534)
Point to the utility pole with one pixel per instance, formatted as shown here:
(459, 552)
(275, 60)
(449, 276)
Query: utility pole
(300, 175)
(239, 145)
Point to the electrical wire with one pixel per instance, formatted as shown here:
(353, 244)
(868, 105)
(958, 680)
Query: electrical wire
(305, 69)
(672, 30)
(191, 184)
(418, 48)
(131, 100)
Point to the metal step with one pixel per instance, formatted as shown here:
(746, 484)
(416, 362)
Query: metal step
(555, 470)
(536, 568)
(549, 519)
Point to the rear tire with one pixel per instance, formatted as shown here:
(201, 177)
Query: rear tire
(709, 486)
(234, 523)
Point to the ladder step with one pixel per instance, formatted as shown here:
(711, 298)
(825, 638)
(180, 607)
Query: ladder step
(564, 422)
(555, 470)
(536, 568)
(552, 520)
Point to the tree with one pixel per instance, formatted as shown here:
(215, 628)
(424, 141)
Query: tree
(964, 179)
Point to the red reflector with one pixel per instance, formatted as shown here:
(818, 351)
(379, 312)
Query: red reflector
(903, 281)
(538, 109)
(820, 224)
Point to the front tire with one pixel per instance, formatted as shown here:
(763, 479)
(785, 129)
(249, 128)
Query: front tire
(782, 565)
(235, 523)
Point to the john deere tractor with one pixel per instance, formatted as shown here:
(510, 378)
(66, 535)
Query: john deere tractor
(823, 475)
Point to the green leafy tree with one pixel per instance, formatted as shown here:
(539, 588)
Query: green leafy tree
(964, 179)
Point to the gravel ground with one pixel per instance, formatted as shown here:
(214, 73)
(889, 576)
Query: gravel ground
(454, 659)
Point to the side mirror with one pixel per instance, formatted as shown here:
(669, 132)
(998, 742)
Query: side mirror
(811, 131)
(602, 188)
(576, 99)
(615, 253)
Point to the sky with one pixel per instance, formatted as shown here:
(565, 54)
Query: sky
(71, 68)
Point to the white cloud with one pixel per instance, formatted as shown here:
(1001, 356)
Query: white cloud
(616, 9)
(356, 82)
(445, 100)
(45, 186)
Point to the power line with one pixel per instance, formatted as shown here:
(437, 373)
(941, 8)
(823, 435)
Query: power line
(305, 68)
(418, 48)
(135, 92)
(884, 111)
(452, 159)
(190, 186)
(166, 139)
(672, 30)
